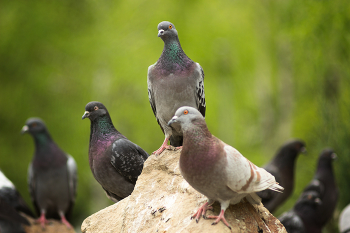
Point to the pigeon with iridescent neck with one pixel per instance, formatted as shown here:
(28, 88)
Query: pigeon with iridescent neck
(115, 161)
(215, 168)
(173, 81)
(52, 176)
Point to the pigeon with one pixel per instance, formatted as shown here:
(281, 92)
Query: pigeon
(216, 169)
(324, 184)
(344, 220)
(115, 161)
(10, 220)
(173, 81)
(11, 205)
(306, 204)
(10, 195)
(282, 168)
(52, 175)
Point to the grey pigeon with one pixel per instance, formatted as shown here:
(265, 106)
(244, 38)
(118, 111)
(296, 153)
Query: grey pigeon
(9, 194)
(173, 81)
(52, 175)
(216, 169)
(306, 204)
(324, 184)
(10, 220)
(115, 161)
(344, 220)
(282, 167)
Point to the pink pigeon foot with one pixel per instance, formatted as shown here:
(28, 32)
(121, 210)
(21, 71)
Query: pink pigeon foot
(220, 217)
(42, 220)
(162, 147)
(65, 222)
(202, 211)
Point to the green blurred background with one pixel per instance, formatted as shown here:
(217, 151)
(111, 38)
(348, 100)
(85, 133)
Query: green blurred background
(274, 70)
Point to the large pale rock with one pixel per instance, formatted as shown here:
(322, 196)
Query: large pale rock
(163, 201)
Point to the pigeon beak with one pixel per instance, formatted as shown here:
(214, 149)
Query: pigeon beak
(160, 32)
(86, 115)
(318, 201)
(25, 129)
(303, 150)
(173, 120)
(334, 156)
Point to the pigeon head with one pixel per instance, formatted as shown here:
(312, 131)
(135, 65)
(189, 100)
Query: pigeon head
(34, 126)
(166, 30)
(185, 116)
(327, 155)
(311, 198)
(95, 110)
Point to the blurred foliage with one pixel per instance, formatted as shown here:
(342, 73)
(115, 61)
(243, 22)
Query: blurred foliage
(274, 70)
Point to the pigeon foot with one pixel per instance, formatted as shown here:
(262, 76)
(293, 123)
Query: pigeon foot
(42, 220)
(65, 222)
(201, 211)
(219, 218)
(162, 147)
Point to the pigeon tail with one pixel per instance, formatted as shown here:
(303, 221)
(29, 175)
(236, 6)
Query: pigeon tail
(277, 188)
(253, 198)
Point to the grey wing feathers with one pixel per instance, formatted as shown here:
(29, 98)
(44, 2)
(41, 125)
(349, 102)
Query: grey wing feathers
(200, 92)
(128, 158)
(32, 184)
(72, 177)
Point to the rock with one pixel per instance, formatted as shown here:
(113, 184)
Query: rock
(163, 201)
(54, 226)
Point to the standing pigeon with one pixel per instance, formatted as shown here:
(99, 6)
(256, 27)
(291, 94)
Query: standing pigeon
(216, 169)
(306, 204)
(9, 194)
(114, 161)
(324, 185)
(344, 220)
(10, 220)
(282, 167)
(52, 175)
(173, 81)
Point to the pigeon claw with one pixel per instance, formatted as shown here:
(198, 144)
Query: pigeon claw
(201, 211)
(219, 218)
(162, 147)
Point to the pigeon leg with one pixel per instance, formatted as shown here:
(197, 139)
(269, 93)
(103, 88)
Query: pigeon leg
(220, 217)
(42, 220)
(64, 221)
(202, 211)
(162, 147)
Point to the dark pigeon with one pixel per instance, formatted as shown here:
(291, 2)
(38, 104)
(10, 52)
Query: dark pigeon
(10, 220)
(11, 205)
(52, 175)
(9, 194)
(115, 161)
(216, 169)
(307, 203)
(282, 167)
(322, 186)
(344, 220)
(173, 81)
(324, 183)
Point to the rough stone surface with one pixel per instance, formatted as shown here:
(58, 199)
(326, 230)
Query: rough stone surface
(163, 201)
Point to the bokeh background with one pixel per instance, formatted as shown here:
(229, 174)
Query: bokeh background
(274, 70)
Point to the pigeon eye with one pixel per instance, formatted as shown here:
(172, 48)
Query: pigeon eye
(34, 124)
(186, 112)
(95, 108)
(170, 26)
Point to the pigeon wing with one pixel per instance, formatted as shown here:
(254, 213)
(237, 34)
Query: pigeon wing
(200, 96)
(128, 158)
